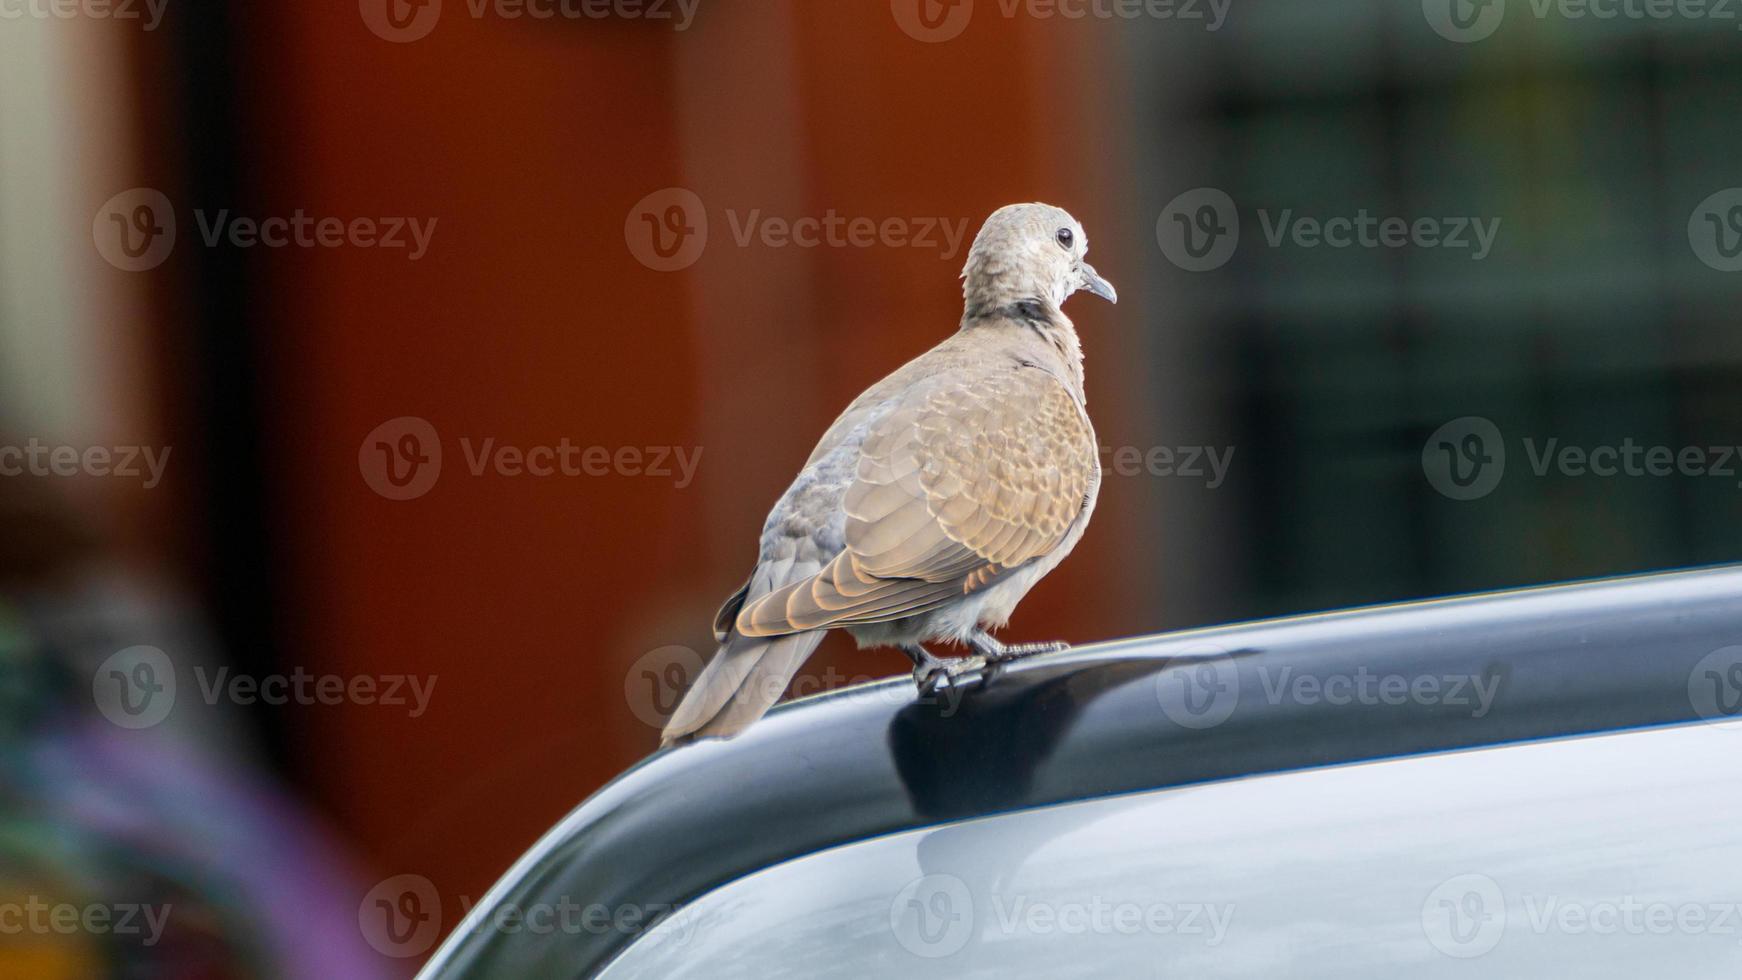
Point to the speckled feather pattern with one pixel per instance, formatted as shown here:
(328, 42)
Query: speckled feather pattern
(959, 479)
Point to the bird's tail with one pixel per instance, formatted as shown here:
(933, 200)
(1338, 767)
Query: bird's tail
(745, 678)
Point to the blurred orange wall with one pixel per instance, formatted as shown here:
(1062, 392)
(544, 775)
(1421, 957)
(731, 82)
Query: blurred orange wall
(529, 321)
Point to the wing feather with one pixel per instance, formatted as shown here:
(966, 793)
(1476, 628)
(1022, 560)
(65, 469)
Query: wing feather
(955, 486)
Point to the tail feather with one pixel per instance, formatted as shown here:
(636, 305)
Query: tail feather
(719, 680)
(745, 678)
(748, 673)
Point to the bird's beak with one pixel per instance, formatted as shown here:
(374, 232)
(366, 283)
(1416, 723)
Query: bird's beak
(1093, 282)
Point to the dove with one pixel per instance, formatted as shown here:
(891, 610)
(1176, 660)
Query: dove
(937, 500)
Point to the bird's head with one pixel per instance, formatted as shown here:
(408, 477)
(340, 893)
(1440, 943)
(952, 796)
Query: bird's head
(1028, 253)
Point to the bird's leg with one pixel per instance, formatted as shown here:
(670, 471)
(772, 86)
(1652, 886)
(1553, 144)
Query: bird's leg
(932, 673)
(924, 664)
(994, 652)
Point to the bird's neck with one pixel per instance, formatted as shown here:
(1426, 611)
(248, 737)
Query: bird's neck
(1039, 327)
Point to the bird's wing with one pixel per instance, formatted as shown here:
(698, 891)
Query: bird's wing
(962, 481)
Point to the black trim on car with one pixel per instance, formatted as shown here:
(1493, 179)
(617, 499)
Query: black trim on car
(1111, 718)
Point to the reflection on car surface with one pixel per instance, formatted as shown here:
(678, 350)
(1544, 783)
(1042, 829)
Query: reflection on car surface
(1531, 783)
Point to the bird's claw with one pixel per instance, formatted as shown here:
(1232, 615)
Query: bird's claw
(938, 674)
(1019, 650)
(932, 674)
(995, 652)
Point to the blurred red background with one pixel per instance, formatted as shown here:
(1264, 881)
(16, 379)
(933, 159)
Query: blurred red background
(530, 321)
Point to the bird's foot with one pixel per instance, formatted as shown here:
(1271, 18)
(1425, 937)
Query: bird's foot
(932, 674)
(993, 652)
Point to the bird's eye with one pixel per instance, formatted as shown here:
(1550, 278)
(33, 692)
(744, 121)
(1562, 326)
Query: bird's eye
(1066, 238)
